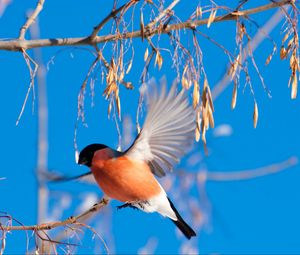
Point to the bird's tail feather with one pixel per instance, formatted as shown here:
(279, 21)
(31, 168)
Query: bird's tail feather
(181, 224)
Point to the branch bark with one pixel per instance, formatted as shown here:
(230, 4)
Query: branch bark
(51, 225)
(252, 173)
(31, 19)
(17, 44)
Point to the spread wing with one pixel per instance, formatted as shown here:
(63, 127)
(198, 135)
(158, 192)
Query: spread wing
(168, 130)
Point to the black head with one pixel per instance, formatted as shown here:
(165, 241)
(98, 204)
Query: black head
(87, 154)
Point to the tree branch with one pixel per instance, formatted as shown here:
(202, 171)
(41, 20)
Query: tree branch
(253, 173)
(55, 224)
(110, 16)
(31, 19)
(17, 45)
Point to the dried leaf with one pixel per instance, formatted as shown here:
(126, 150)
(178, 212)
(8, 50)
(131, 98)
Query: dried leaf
(211, 17)
(120, 60)
(197, 134)
(146, 54)
(109, 108)
(203, 136)
(121, 76)
(142, 27)
(210, 101)
(118, 106)
(184, 82)
(185, 69)
(113, 64)
(199, 12)
(269, 58)
(196, 94)
(293, 62)
(255, 115)
(129, 67)
(205, 117)
(294, 87)
(110, 75)
(290, 43)
(158, 60)
(211, 117)
(234, 96)
(198, 120)
(286, 36)
(205, 84)
(234, 66)
(283, 52)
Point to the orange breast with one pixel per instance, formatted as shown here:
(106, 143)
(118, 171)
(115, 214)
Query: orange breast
(125, 180)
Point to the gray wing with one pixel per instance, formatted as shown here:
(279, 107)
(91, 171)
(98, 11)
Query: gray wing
(168, 130)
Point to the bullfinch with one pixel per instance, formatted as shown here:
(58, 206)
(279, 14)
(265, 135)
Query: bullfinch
(129, 176)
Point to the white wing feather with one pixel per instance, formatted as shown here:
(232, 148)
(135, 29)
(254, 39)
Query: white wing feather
(167, 132)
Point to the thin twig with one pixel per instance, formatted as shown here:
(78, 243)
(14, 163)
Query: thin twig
(109, 17)
(69, 221)
(255, 42)
(253, 173)
(162, 14)
(28, 60)
(16, 45)
(31, 19)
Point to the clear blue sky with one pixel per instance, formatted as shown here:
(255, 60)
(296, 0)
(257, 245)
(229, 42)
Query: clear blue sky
(252, 216)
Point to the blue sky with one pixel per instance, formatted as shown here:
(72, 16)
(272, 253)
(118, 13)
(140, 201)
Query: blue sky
(251, 216)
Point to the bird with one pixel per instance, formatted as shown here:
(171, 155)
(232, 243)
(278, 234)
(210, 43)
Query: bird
(165, 137)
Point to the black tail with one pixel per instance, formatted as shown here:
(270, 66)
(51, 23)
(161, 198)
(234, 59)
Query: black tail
(181, 224)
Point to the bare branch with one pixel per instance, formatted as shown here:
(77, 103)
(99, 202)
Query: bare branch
(32, 72)
(16, 45)
(31, 19)
(253, 173)
(109, 17)
(253, 44)
(162, 14)
(69, 221)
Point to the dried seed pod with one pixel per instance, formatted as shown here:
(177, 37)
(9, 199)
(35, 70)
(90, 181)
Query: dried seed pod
(210, 101)
(118, 101)
(294, 86)
(129, 67)
(199, 12)
(255, 115)
(286, 36)
(234, 67)
(211, 17)
(184, 82)
(158, 60)
(234, 96)
(210, 117)
(268, 60)
(196, 94)
(142, 27)
(146, 54)
(197, 134)
(109, 108)
(121, 76)
(283, 52)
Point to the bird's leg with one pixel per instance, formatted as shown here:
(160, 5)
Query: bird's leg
(126, 205)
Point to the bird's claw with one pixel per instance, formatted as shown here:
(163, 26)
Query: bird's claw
(126, 205)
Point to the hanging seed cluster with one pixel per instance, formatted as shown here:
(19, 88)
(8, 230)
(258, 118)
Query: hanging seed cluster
(155, 20)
